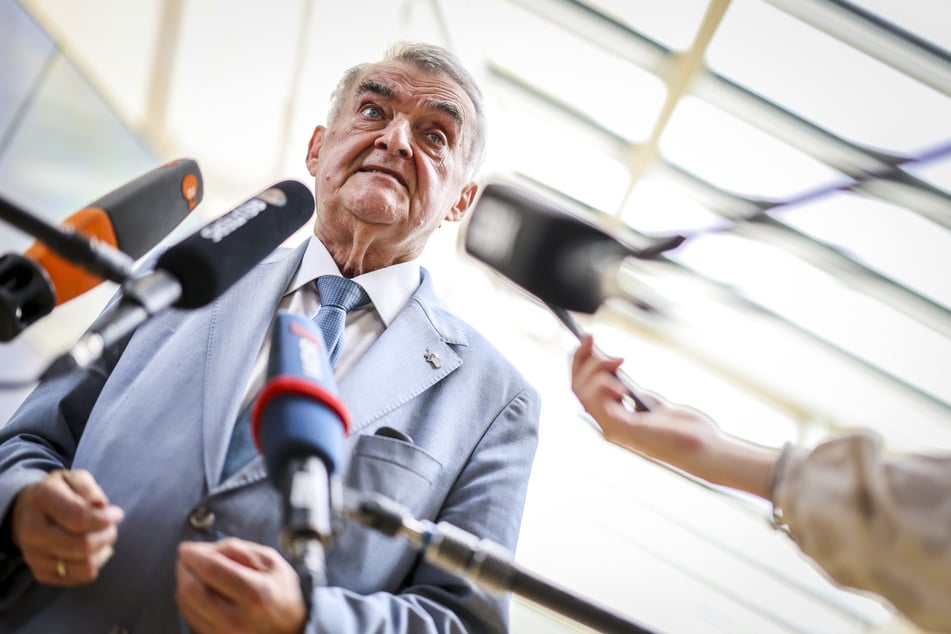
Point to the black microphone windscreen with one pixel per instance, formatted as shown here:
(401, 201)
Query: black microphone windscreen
(145, 210)
(25, 294)
(221, 252)
(546, 250)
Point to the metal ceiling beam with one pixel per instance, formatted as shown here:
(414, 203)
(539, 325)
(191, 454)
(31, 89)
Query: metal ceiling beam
(766, 225)
(163, 67)
(741, 210)
(603, 32)
(819, 143)
(301, 52)
(666, 329)
(717, 355)
(677, 80)
(849, 158)
(877, 38)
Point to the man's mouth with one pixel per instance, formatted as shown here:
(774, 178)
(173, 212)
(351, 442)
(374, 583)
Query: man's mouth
(373, 169)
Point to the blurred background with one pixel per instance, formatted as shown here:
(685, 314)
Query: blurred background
(802, 146)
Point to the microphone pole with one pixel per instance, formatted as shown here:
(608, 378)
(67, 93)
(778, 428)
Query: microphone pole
(484, 562)
(119, 228)
(94, 256)
(303, 543)
(26, 290)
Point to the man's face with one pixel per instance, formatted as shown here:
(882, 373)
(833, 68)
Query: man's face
(393, 164)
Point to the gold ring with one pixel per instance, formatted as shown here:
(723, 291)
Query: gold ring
(61, 568)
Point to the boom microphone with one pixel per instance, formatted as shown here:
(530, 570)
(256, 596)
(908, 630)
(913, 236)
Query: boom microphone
(485, 563)
(100, 241)
(132, 218)
(197, 270)
(298, 423)
(26, 294)
(554, 255)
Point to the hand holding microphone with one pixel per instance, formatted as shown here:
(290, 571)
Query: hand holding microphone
(669, 435)
(568, 264)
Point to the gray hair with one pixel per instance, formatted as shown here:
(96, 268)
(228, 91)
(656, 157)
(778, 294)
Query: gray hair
(433, 59)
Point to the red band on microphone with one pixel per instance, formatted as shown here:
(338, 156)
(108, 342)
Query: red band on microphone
(287, 385)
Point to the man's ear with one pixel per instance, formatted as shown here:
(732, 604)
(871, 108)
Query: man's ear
(466, 196)
(313, 149)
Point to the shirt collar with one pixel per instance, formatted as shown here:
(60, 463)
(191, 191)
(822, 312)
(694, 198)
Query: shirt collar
(389, 288)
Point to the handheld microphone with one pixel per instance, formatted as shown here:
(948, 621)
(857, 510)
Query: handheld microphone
(552, 254)
(567, 263)
(201, 267)
(298, 423)
(99, 241)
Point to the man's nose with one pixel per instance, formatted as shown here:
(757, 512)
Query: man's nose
(395, 139)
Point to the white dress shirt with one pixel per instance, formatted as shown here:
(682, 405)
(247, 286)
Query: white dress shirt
(389, 288)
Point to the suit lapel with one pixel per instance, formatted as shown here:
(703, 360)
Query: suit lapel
(236, 327)
(398, 367)
(393, 371)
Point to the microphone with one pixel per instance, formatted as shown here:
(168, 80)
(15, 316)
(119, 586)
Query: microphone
(26, 294)
(567, 263)
(480, 560)
(554, 255)
(298, 423)
(102, 240)
(195, 271)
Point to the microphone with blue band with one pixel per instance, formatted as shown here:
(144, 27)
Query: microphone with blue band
(299, 424)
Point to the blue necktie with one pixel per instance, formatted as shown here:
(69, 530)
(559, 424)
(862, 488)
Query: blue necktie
(338, 296)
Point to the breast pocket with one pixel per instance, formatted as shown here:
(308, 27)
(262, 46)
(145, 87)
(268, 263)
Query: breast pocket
(399, 470)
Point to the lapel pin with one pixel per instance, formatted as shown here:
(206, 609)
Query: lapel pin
(432, 359)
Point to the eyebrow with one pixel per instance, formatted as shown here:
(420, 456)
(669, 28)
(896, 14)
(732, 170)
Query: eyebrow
(448, 107)
(376, 88)
(387, 92)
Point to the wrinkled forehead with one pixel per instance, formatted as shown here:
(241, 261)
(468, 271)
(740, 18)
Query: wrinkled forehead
(404, 82)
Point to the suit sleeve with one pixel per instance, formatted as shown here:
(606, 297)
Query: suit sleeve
(486, 500)
(43, 433)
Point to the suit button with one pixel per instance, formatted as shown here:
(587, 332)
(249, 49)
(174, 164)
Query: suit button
(201, 518)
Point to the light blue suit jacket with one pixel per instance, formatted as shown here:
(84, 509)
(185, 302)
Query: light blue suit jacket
(156, 435)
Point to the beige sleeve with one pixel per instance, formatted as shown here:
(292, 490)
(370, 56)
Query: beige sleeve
(872, 521)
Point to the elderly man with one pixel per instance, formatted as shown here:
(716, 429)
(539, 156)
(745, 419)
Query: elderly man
(117, 484)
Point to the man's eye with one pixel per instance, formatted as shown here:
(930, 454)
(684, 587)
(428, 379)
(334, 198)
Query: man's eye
(372, 112)
(436, 137)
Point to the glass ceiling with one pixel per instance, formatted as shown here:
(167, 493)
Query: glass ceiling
(803, 147)
(810, 176)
